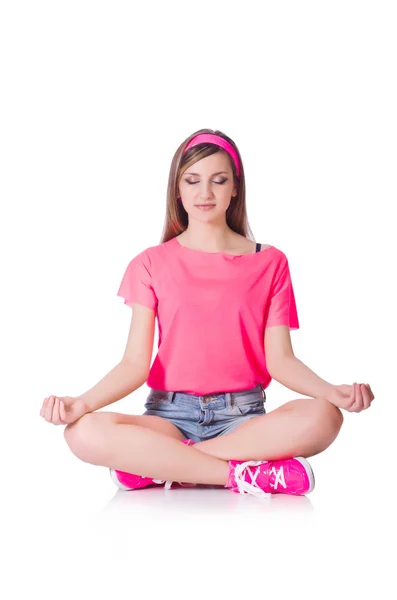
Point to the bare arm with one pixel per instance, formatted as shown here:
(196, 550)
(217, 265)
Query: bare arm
(287, 369)
(122, 380)
(133, 369)
(295, 375)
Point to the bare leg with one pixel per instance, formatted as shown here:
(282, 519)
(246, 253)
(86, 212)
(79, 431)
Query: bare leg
(98, 440)
(302, 427)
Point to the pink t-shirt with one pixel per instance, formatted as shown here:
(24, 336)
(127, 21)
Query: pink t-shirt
(212, 309)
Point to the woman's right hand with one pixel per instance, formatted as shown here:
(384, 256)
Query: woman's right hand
(62, 410)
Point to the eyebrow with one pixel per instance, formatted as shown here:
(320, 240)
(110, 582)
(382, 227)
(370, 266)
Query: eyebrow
(218, 173)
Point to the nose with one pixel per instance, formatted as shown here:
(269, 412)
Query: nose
(205, 191)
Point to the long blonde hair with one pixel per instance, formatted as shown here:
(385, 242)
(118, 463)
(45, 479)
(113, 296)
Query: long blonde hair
(176, 218)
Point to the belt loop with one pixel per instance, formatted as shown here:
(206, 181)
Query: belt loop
(171, 396)
(263, 392)
(228, 396)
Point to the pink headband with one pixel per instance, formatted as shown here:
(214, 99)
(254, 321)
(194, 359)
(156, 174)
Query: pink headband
(219, 141)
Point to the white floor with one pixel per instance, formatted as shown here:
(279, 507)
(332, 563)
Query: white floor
(68, 532)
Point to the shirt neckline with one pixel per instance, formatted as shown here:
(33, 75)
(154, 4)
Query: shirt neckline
(177, 243)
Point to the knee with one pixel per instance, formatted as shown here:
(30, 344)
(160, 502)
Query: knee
(327, 415)
(82, 437)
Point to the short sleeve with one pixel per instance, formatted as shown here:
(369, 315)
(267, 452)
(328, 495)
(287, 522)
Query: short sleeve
(136, 284)
(281, 307)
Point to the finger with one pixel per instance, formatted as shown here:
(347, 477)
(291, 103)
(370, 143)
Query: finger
(366, 397)
(352, 399)
(371, 394)
(55, 412)
(355, 407)
(48, 409)
(359, 398)
(62, 411)
(45, 405)
(42, 410)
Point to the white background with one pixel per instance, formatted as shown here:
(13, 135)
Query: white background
(95, 99)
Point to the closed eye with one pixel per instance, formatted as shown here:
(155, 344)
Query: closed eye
(217, 182)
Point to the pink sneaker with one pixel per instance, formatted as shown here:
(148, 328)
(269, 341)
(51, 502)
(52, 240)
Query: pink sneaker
(265, 477)
(129, 481)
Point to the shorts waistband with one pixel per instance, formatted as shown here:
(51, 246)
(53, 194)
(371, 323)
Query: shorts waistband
(210, 397)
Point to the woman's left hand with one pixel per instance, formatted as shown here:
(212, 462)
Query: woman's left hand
(353, 398)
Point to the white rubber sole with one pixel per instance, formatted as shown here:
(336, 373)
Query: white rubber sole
(309, 472)
(115, 480)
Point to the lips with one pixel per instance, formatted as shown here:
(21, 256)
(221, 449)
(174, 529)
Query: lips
(204, 205)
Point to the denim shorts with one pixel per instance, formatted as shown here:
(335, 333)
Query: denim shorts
(201, 418)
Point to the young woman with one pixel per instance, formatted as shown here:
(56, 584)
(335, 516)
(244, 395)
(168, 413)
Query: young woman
(225, 306)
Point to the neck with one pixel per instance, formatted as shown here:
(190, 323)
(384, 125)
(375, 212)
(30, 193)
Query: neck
(209, 238)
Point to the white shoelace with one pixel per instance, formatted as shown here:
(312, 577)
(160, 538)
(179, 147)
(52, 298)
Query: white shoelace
(168, 484)
(245, 487)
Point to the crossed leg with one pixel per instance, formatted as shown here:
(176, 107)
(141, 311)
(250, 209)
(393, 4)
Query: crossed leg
(302, 427)
(150, 446)
(145, 445)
